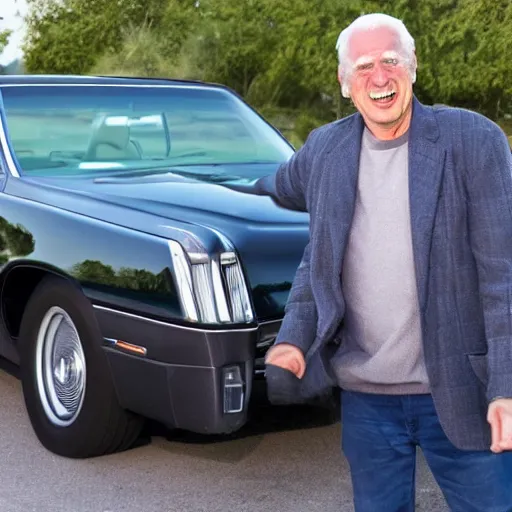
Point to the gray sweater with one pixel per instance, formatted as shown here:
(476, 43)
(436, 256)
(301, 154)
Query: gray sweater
(381, 348)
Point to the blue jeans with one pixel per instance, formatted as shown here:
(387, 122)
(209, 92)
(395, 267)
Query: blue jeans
(379, 439)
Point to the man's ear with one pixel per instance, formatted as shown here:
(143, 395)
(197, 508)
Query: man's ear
(345, 92)
(340, 75)
(414, 66)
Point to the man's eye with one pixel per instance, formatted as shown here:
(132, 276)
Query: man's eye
(390, 62)
(362, 67)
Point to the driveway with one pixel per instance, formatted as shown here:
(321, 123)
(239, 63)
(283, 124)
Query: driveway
(287, 459)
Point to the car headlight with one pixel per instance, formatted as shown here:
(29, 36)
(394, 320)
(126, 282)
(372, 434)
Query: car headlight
(212, 289)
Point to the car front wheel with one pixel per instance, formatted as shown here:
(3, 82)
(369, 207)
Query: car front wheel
(66, 379)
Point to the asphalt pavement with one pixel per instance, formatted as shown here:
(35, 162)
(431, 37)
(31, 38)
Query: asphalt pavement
(286, 459)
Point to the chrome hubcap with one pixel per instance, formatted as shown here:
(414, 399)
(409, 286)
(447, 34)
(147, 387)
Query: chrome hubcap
(60, 368)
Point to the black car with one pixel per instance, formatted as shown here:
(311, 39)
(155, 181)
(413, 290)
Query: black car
(135, 283)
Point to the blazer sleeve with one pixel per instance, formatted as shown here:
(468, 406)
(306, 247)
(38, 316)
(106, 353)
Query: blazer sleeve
(300, 320)
(489, 203)
(288, 186)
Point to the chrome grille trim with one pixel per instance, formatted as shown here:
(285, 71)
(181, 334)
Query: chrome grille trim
(212, 289)
(183, 275)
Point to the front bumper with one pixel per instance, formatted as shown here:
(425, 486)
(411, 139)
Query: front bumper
(180, 380)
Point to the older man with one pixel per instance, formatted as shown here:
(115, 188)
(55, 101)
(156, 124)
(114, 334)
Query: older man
(403, 298)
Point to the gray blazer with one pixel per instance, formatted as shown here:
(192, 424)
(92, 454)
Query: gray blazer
(460, 175)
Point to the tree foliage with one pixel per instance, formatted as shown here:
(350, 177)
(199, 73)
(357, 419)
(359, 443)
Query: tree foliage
(4, 39)
(475, 45)
(68, 36)
(280, 56)
(15, 241)
(94, 271)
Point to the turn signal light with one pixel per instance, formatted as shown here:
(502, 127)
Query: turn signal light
(131, 348)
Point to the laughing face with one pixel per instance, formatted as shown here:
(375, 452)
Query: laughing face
(379, 81)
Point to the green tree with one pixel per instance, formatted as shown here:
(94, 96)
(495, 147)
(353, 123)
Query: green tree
(280, 56)
(19, 241)
(4, 39)
(68, 36)
(276, 55)
(474, 56)
(15, 241)
(140, 280)
(141, 53)
(94, 271)
(153, 48)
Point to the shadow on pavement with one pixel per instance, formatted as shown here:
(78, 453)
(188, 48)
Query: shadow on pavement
(264, 418)
(9, 368)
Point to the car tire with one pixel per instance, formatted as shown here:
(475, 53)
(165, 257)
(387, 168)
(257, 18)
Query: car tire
(66, 379)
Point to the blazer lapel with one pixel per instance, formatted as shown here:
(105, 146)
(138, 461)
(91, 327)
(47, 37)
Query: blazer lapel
(338, 186)
(342, 169)
(426, 166)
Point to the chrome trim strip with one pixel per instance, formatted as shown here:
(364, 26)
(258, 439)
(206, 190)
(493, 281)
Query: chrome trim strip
(183, 275)
(240, 302)
(198, 258)
(230, 257)
(176, 326)
(218, 292)
(203, 292)
(11, 166)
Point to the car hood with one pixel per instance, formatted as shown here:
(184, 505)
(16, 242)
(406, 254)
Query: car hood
(181, 199)
(175, 196)
(269, 239)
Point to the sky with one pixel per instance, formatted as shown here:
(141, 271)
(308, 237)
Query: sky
(8, 11)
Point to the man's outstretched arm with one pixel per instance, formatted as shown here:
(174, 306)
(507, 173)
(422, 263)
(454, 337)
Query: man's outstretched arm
(288, 185)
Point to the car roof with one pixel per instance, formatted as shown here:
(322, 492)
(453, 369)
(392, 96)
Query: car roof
(98, 80)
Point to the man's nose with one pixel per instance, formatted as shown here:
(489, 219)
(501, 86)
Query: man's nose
(380, 76)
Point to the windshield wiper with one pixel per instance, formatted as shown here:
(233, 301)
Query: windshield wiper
(164, 174)
(136, 173)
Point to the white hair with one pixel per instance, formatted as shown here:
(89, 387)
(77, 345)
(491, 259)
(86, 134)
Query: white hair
(371, 22)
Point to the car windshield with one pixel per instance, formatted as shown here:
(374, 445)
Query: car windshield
(101, 130)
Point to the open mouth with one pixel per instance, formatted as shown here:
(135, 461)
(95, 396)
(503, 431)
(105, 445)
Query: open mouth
(382, 97)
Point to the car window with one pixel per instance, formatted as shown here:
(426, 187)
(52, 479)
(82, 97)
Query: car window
(148, 133)
(76, 129)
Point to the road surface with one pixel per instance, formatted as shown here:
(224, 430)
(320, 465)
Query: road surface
(285, 460)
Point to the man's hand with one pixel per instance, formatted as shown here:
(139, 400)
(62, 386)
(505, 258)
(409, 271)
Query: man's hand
(287, 356)
(500, 418)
